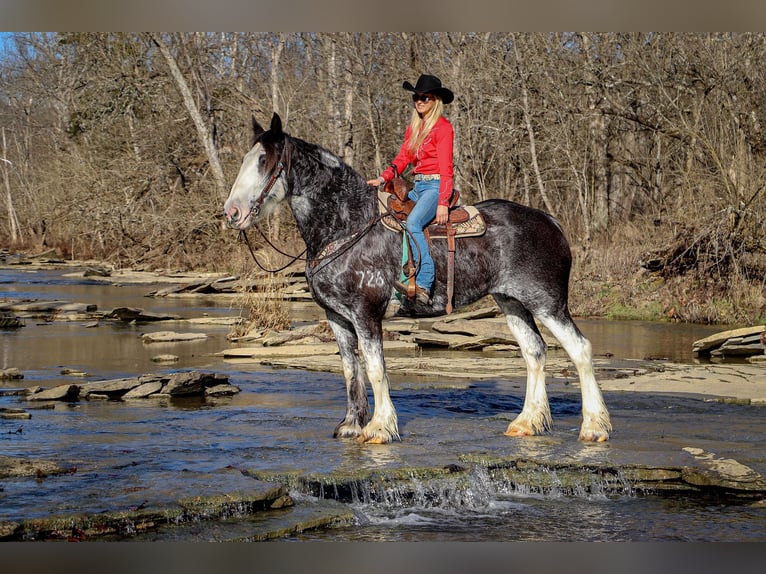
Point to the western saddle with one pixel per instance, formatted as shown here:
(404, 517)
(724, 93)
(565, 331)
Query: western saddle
(464, 221)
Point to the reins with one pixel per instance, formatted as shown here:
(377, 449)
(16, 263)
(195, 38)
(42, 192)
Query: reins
(329, 253)
(293, 258)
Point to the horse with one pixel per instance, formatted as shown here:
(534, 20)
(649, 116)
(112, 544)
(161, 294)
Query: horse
(352, 261)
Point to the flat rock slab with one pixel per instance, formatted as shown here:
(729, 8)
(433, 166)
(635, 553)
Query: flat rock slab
(16, 467)
(740, 381)
(705, 473)
(186, 383)
(59, 393)
(220, 495)
(260, 526)
(10, 413)
(171, 337)
(143, 390)
(129, 314)
(11, 373)
(704, 346)
(310, 350)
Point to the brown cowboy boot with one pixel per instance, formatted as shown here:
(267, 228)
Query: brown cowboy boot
(421, 295)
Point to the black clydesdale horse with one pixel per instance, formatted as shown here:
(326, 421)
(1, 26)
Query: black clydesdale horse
(523, 260)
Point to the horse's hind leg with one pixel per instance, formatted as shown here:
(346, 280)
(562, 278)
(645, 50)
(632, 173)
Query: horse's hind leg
(535, 416)
(357, 407)
(596, 424)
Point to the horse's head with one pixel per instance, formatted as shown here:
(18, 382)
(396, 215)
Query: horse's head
(260, 184)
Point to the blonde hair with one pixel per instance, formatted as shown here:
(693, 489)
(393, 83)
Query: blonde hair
(421, 127)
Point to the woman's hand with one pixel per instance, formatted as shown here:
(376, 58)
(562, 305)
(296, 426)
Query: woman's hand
(442, 214)
(376, 182)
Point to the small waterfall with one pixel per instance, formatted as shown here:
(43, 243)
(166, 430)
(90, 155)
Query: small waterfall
(472, 487)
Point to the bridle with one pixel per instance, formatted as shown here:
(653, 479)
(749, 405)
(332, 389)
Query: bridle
(328, 254)
(280, 168)
(275, 175)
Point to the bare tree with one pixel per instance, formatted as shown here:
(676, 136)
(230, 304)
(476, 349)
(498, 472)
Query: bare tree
(204, 133)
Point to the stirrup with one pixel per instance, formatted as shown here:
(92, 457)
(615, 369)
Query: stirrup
(421, 295)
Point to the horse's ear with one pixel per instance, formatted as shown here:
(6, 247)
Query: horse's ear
(276, 124)
(257, 129)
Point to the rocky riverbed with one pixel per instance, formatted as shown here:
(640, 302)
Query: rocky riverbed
(458, 353)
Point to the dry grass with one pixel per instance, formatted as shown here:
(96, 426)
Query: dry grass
(261, 305)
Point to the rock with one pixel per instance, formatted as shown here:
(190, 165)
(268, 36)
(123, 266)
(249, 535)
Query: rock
(300, 350)
(221, 390)
(128, 314)
(320, 331)
(721, 473)
(113, 388)
(706, 345)
(493, 328)
(143, 390)
(481, 342)
(171, 337)
(14, 467)
(192, 383)
(157, 512)
(97, 271)
(73, 373)
(59, 393)
(428, 339)
(62, 310)
(284, 351)
(401, 325)
(9, 321)
(483, 313)
(11, 413)
(11, 373)
(165, 358)
(199, 286)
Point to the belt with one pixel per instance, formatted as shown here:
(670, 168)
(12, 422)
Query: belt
(427, 176)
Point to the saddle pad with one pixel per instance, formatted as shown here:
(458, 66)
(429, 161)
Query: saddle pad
(472, 227)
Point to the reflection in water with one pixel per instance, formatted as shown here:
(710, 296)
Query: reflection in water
(358, 456)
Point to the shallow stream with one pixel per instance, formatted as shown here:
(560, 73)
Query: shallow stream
(283, 421)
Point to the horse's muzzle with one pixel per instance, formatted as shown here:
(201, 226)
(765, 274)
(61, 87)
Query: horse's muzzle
(235, 219)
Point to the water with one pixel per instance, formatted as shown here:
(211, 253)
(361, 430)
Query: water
(283, 419)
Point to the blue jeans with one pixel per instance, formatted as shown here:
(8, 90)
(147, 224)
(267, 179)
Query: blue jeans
(426, 197)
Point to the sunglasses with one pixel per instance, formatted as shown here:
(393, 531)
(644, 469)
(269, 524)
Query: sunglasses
(422, 97)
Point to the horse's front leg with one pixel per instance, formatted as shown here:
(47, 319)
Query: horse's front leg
(357, 406)
(384, 426)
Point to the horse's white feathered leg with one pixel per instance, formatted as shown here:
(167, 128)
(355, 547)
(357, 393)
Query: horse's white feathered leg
(384, 426)
(596, 424)
(535, 416)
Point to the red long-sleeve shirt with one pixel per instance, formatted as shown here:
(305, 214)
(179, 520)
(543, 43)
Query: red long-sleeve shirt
(433, 156)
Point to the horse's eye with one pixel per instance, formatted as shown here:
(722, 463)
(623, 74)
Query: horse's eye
(262, 162)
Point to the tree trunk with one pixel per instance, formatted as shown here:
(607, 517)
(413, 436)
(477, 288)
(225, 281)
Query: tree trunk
(598, 140)
(204, 134)
(276, 53)
(13, 220)
(530, 129)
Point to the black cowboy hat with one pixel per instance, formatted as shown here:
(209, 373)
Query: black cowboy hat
(430, 85)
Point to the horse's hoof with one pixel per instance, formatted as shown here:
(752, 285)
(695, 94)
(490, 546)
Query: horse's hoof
(347, 432)
(594, 436)
(516, 429)
(373, 440)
